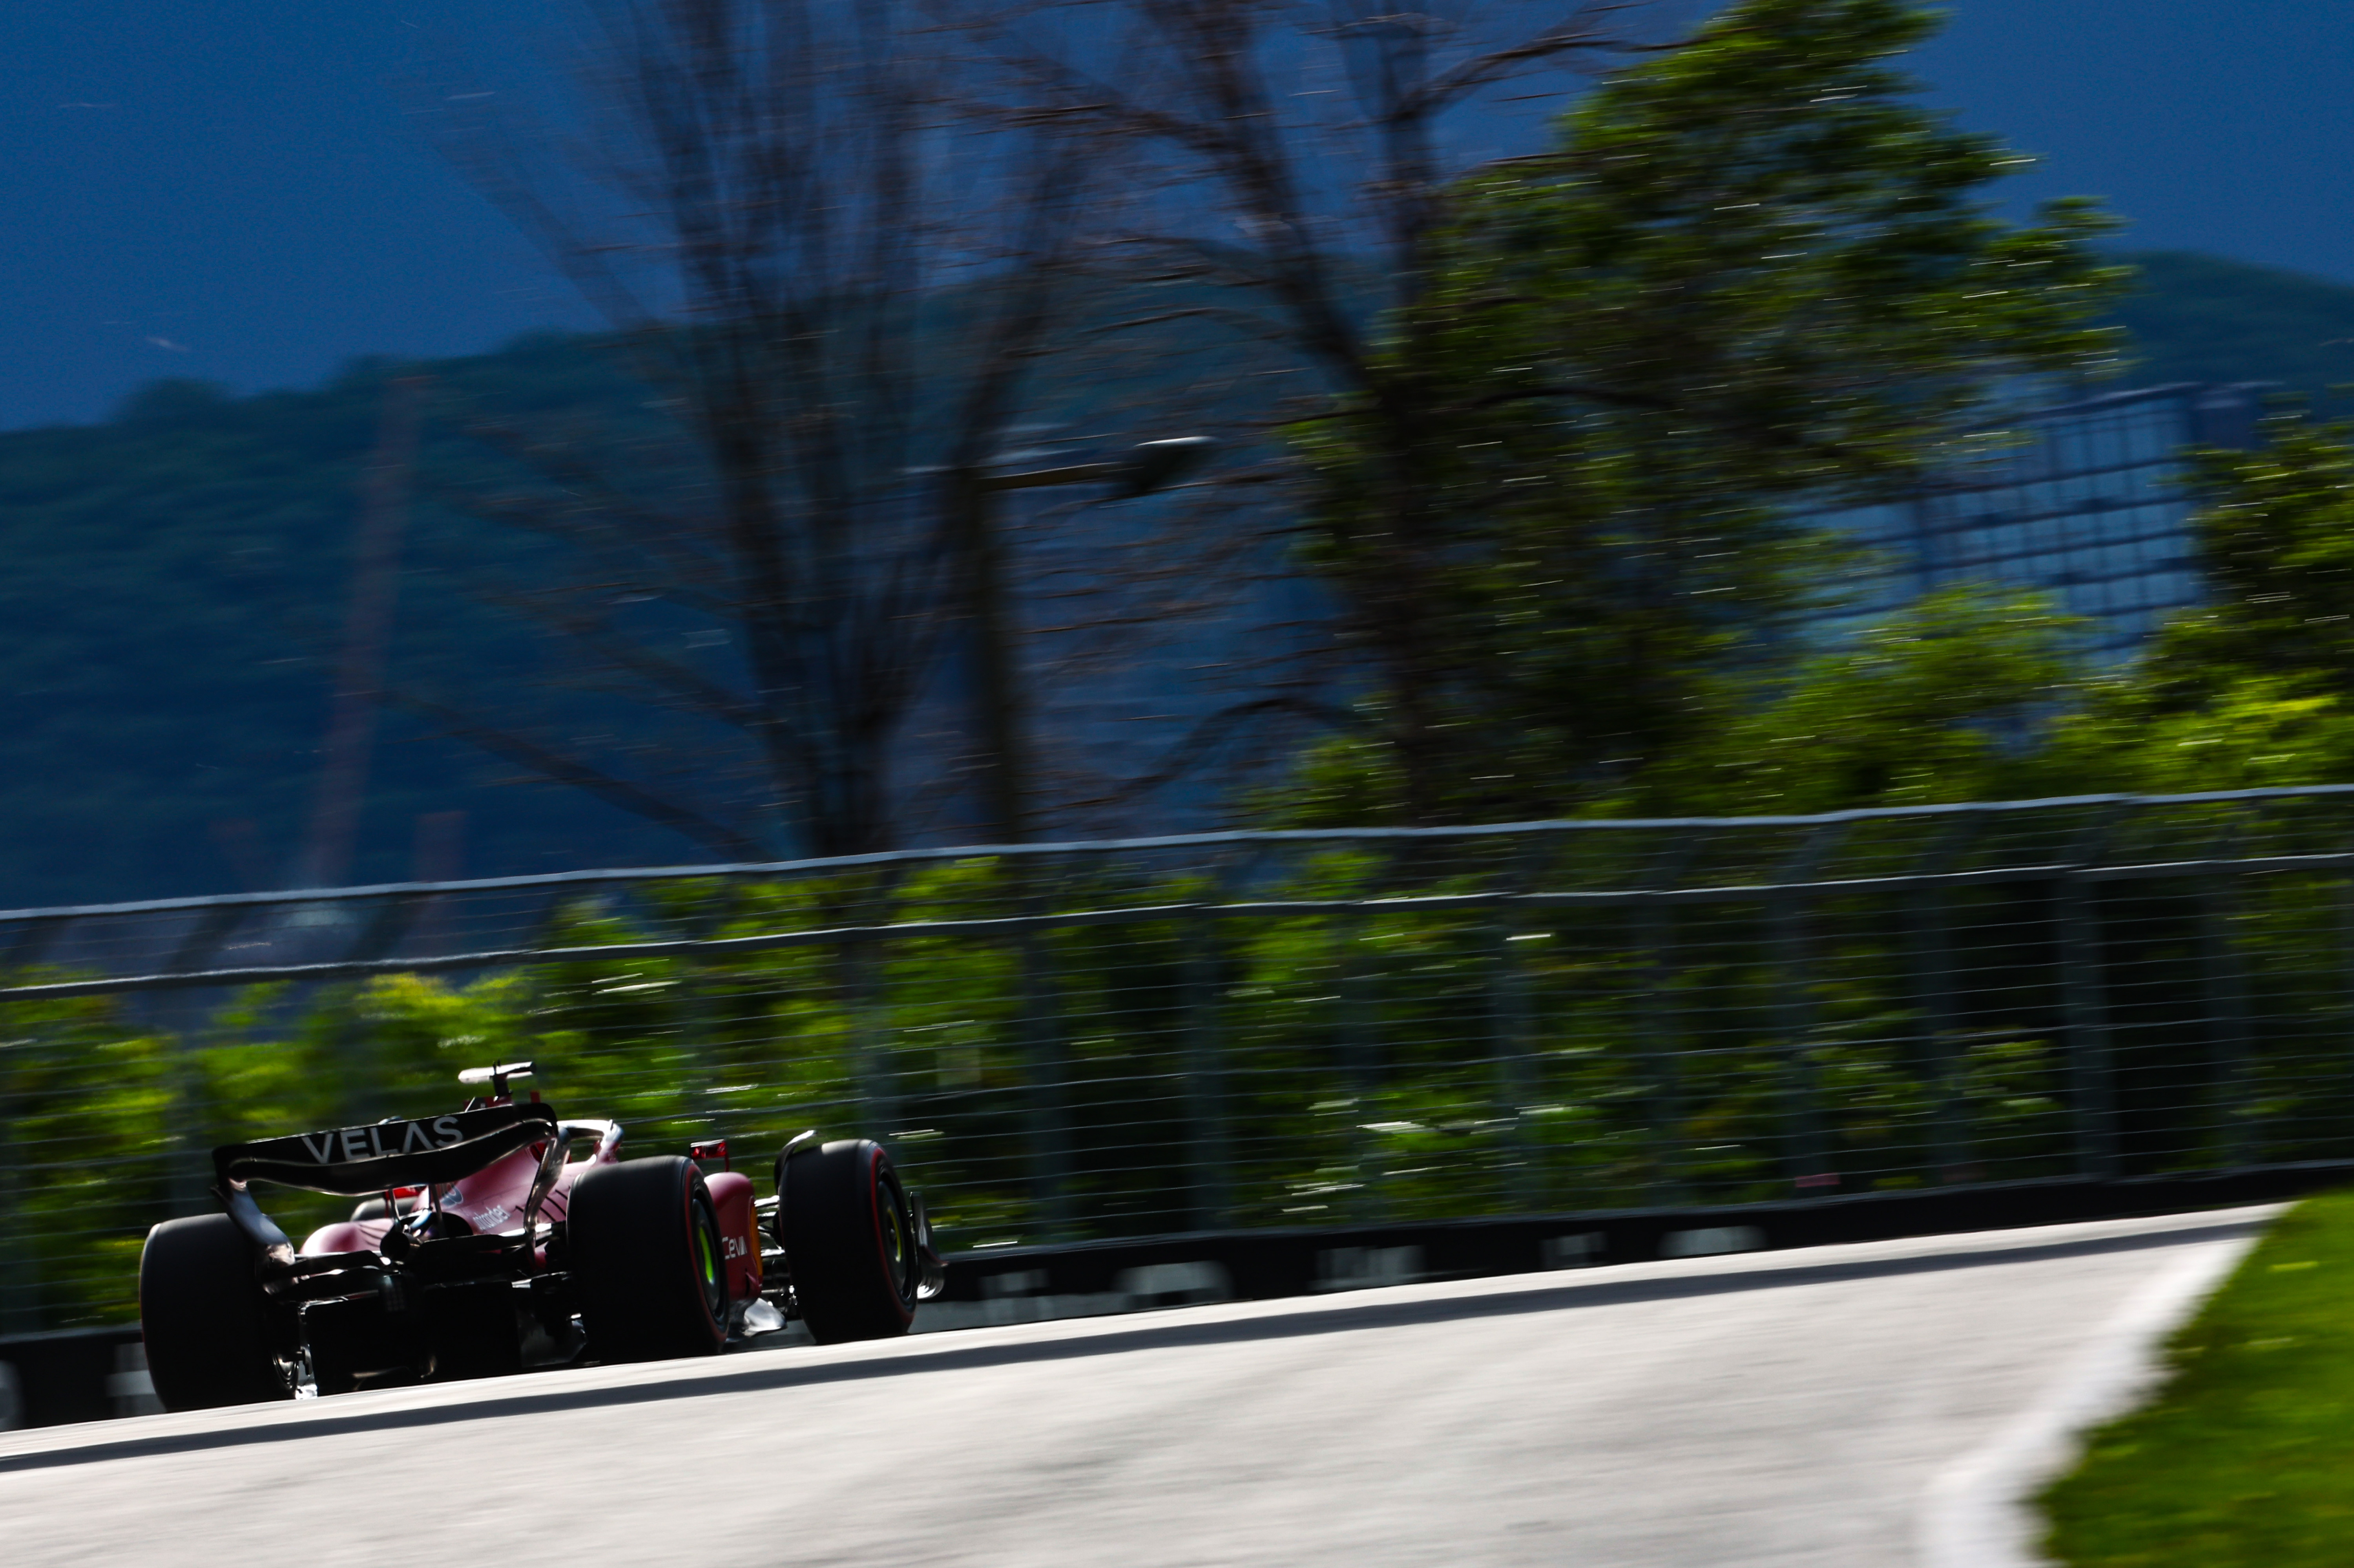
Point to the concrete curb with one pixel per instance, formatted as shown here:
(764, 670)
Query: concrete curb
(1976, 1513)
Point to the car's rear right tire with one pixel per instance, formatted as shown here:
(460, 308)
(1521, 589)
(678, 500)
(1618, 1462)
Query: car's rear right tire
(642, 1238)
(849, 1236)
(204, 1317)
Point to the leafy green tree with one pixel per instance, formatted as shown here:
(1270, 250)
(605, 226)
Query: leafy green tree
(1752, 273)
(1940, 702)
(2257, 688)
(89, 1155)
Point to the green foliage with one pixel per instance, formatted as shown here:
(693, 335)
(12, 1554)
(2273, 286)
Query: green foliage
(2258, 730)
(1758, 254)
(2239, 1461)
(1752, 271)
(88, 1151)
(2257, 688)
(1931, 704)
(1424, 1055)
(2277, 537)
(2013, 1092)
(1752, 275)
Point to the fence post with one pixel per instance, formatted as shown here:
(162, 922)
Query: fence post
(2227, 1001)
(1045, 1061)
(869, 1040)
(870, 1037)
(1808, 1158)
(1508, 1026)
(1360, 1059)
(2346, 979)
(1928, 920)
(190, 1176)
(696, 1025)
(1660, 1019)
(695, 1017)
(20, 1284)
(1205, 1084)
(191, 1167)
(2091, 1080)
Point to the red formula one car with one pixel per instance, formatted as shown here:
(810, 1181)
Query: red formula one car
(486, 1246)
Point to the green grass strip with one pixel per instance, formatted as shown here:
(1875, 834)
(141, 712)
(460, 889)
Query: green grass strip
(2246, 1456)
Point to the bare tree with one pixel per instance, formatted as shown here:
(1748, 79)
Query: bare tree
(835, 290)
(1288, 162)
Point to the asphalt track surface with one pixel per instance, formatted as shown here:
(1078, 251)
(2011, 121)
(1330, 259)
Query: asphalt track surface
(1789, 1407)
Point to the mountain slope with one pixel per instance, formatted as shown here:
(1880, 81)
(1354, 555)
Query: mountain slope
(2201, 318)
(177, 580)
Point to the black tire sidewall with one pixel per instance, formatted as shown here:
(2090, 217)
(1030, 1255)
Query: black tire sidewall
(631, 1233)
(831, 1224)
(204, 1318)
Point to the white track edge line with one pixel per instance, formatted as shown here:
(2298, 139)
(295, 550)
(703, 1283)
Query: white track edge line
(1975, 1513)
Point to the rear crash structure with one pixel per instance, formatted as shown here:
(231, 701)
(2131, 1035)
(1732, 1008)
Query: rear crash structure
(502, 1237)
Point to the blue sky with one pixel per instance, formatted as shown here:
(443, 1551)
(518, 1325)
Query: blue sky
(235, 189)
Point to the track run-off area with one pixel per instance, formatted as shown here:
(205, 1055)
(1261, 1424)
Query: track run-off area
(1803, 1407)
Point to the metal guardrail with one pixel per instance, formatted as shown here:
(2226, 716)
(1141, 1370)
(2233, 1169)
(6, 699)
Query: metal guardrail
(1225, 1031)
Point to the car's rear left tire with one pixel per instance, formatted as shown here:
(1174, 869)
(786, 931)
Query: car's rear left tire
(849, 1236)
(205, 1319)
(642, 1241)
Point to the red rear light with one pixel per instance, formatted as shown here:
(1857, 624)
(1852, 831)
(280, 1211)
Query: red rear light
(400, 1192)
(709, 1149)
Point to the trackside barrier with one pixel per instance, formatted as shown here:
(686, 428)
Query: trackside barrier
(1248, 1033)
(93, 1374)
(1126, 1275)
(78, 1374)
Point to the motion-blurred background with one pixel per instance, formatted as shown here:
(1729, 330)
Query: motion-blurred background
(453, 444)
(398, 395)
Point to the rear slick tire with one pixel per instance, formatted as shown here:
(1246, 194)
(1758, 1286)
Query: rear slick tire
(849, 1236)
(204, 1317)
(642, 1240)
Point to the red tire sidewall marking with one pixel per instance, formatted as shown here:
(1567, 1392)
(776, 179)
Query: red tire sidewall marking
(694, 1250)
(874, 1212)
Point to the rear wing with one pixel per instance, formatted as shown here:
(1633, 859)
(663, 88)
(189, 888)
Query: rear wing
(356, 1161)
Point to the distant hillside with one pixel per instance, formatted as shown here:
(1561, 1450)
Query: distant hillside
(175, 588)
(175, 578)
(2200, 318)
(177, 581)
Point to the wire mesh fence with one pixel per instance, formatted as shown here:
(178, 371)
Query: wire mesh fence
(1076, 1041)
